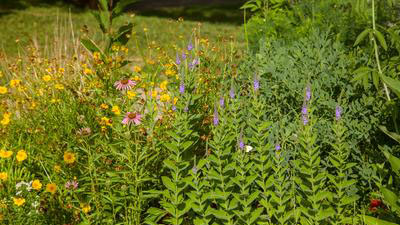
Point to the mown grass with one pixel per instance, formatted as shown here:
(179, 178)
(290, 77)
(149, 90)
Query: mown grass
(44, 26)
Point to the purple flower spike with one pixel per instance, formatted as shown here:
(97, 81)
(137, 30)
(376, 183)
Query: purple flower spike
(338, 113)
(182, 88)
(173, 108)
(308, 93)
(277, 147)
(216, 120)
(256, 84)
(241, 144)
(178, 60)
(183, 56)
(304, 114)
(222, 102)
(232, 93)
(186, 109)
(190, 46)
(194, 169)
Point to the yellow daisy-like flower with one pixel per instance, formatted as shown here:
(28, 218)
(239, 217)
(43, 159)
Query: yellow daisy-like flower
(170, 72)
(136, 78)
(21, 155)
(61, 70)
(5, 154)
(96, 55)
(69, 157)
(19, 201)
(57, 168)
(130, 94)
(104, 106)
(105, 121)
(87, 71)
(85, 208)
(115, 109)
(15, 83)
(137, 69)
(52, 188)
(175, 100)
(59, 86)
(154, 94)
(3, 176)
(163, 85)
(36, 185)
(165, 98)
(46, 78)
(5, 121)
(3, 90)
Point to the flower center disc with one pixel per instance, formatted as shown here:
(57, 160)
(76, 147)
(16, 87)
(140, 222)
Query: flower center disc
(132, 116)
(124, 82)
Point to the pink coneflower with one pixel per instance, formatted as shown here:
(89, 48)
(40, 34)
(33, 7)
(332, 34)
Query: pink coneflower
(124, 84)
(131, 117)
(73, 184)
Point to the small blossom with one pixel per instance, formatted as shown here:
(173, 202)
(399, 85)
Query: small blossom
(232, 93)
(178, 60)
(165, 98)
(215, 119)
(308, 93)
(3, 176)
(36, 185)
(304, 114)
(182, 88)
(338, 113)
(277, 147)
(173, 108)
(72, 184)
(249, 148)
(124, 84)
(222, 102)
(21, 155)
(86, 208)
(256, 84)
(183, 56)
(84, 131)
(131, 117)
(3, 90)
(115, 109)
(52, 188)
(190, 46)
(69, 157)
(46, 78)
(194, 169)
(5, 154)
(19, 201)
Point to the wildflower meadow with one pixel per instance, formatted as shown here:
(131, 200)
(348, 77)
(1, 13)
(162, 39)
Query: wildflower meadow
(258, 112)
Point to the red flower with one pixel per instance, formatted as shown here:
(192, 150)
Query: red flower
(375, 203)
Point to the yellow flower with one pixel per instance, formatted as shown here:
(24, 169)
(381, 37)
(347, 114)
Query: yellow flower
(61, 70)
(46, 78)
(85, 208)
(151, 62)
(154, 94)
(130, 94)
(175, 100)
(57, 168)
(87, 71)
(59, 86)
(36, 185)
(163, 85)
(137, 69)
(5, 154)
(104, 106)
(52, 188)
(136, 78)
(115, 109)
(19, 201)
(14, 83)
(3, 90)
(69, 157)
(5, 121)
(3, 176)
(96, 55)
(21, 155)
(165, 98)
(105, 121)
(170, 72)
(114, 48)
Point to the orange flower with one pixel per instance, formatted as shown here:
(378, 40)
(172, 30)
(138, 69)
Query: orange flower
(52, 188)
(69, 157)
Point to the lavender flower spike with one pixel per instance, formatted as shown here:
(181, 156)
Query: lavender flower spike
(304, 114)
(232, 93)
(308, 93)
(182, 88)
(256, 84)
(178, 60)
(222, 102)
(338, 113)
(216, 120)
(277, 147)
(190, 46)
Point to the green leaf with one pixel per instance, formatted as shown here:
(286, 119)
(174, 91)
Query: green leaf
(393, 135)
(381, 39)
(123, 34)
(374, 221)
(393, 84)
(121, 6)
(394, 161)
(168, 183)
(90, 45)
(362, 36)
(103, 5)
(390, 197)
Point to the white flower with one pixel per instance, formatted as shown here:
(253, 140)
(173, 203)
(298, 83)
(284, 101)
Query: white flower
(248, 148)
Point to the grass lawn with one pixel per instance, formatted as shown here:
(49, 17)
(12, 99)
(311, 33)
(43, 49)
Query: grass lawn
(48, 27)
